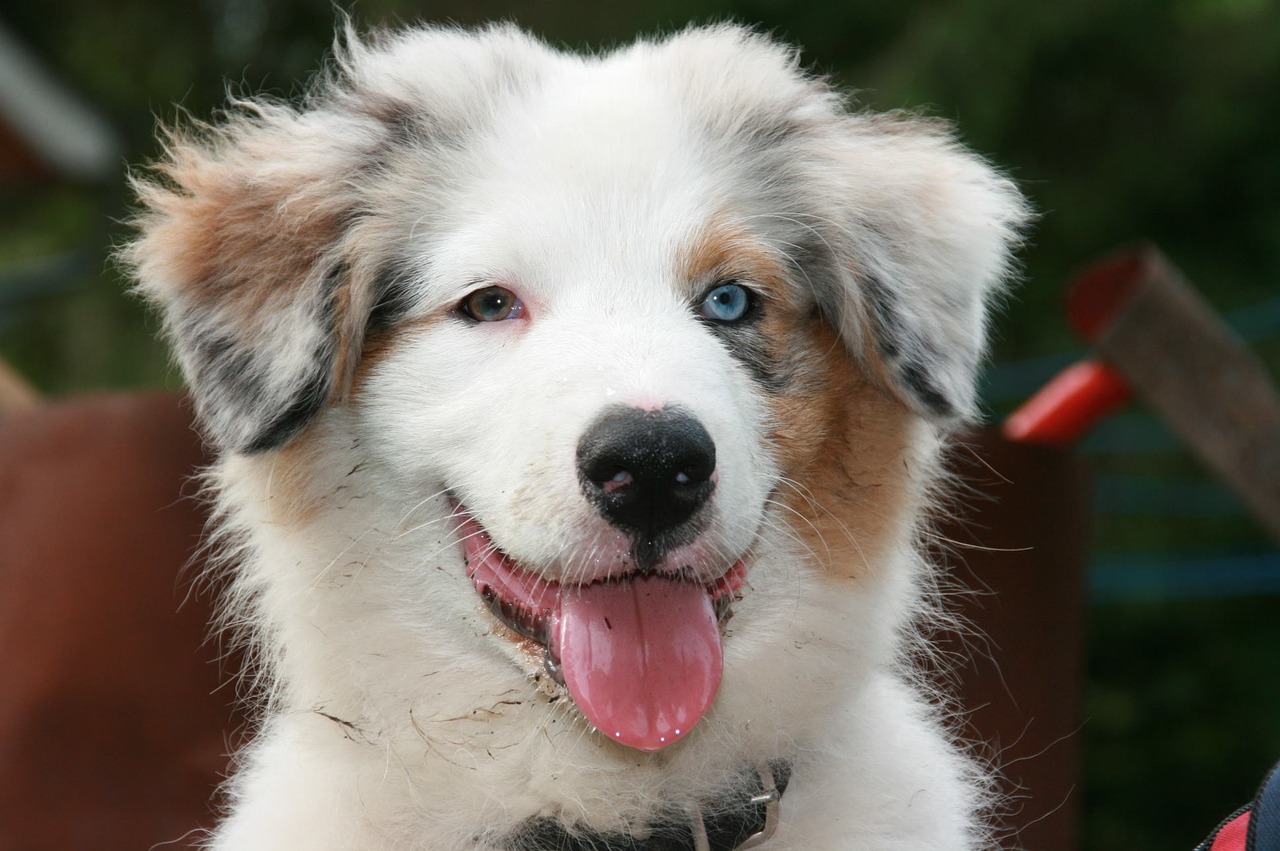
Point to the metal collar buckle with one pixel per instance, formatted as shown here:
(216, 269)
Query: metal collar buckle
(769, 797)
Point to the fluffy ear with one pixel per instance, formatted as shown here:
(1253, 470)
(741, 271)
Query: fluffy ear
(923, 231)
(263, 237)
(240, 246)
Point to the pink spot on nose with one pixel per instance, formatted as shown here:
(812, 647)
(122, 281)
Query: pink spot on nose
(619, 481)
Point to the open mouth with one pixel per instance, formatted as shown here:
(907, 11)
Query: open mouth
(639, 653)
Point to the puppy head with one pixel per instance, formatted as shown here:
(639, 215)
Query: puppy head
(598, 307)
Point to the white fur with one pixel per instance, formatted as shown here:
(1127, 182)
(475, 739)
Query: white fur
(394, 716)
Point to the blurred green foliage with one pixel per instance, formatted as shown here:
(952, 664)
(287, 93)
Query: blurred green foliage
(1122, 119)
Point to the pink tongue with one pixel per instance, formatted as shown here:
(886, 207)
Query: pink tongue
(641, 657)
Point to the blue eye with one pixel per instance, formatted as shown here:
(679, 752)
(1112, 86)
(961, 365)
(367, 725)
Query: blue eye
(729, 302)
(492, 304)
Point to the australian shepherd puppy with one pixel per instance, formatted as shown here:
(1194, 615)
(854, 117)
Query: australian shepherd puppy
(577, 416)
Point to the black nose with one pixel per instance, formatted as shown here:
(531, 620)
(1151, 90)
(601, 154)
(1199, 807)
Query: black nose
(647, 472)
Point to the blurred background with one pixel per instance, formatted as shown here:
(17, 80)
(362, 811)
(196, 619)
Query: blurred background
(1122, 119)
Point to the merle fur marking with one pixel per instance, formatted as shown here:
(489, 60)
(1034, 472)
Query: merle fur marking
(393, 297)
(746, 341)
(917, 380)
(243, 409)
(905, 353)
(301, 410)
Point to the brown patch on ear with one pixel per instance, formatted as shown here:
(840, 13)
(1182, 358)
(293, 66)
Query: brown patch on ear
(353, 340)
(872, 359)
(846, 446)
(235, 233)
(244, 233)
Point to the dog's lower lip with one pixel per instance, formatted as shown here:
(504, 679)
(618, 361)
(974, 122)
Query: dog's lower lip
(526, 603)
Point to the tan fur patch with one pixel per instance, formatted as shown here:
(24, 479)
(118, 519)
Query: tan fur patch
(378, 347)
(844, 448)
(723, 251)
(292, 500)
(234, 240)
(842, 442)
(379, 344)
(349, 310)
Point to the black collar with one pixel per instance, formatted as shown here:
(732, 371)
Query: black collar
(741, 819)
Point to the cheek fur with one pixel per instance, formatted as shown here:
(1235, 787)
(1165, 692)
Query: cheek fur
(379, 345)
(293, 495)
(843, 446)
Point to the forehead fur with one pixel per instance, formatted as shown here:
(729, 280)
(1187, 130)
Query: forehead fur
(731, 78)
(588, 167)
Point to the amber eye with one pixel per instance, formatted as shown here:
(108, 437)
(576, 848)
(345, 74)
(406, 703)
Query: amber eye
(492, 304)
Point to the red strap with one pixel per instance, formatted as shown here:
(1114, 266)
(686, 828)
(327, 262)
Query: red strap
(1233, 835)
